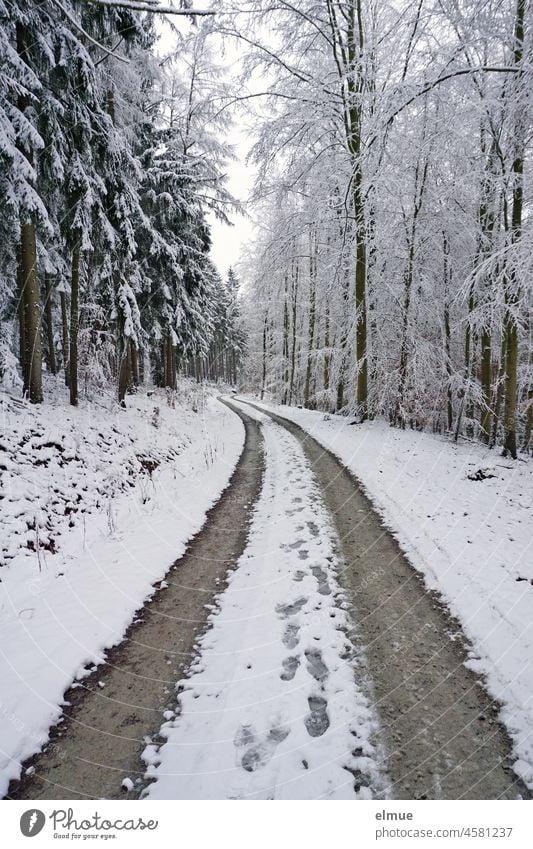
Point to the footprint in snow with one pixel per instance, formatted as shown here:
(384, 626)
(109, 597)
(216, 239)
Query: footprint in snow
(315, 665)
(313, 527)
(294, 545)
(323, 586)
(291, 637)
(244, 736)
(286, 610)
(290, 665)
(261, 752)
(317, 721)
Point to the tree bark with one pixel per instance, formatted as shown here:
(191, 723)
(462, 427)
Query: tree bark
(312, 319)
(22, 322)
(65, 344)
(486, 384)
(327, 358)
(50, 325)
(264, 368)
(510, 334)
(511, 299)
(74, 318)
(293, 345)
(529, 422)
(32, 313)
(134, 365)
(27, 273)
(285, 395)
(124, 375)
(447, 333)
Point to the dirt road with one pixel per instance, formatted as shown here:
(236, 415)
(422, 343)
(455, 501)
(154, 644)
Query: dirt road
(438, 728)
(108, 719)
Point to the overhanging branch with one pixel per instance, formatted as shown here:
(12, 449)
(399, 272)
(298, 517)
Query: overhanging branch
(148, 6)
(434, 83)
(86, 35)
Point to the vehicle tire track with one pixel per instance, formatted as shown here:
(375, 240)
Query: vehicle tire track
(442, 736)
(109, 716)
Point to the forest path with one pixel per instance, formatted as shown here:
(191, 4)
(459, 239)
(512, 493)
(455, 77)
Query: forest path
(333, 673)
(440, 732)
(110, 715)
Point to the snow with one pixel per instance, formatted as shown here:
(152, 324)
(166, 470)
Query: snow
(270, 707)
(471, 539)
(112, 496)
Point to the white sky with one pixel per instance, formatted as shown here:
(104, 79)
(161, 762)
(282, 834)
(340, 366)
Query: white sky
(228, 242)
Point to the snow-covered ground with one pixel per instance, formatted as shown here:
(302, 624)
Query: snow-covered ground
(97, 503)
(471, 538)
(270, 708)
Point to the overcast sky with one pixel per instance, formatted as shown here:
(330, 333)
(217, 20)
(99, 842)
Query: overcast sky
(228, 242)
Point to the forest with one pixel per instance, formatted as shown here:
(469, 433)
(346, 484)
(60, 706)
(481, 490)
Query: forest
(110, 166)
(392, 260)
(390, 269)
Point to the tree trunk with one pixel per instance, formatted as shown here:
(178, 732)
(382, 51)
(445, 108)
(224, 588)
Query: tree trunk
(510, 323)
(134, 365)
(32, 313)
(264, 370)
(327, 358)
(499, 396)
(64, 335)
(447, 335)
(447, 354)
(293, 345)
(27, 273)
(170, 363)
(510, 335)
(50, 325)
(408, 282)
(173, 382)
(124, 375)
(360, 300)
(420, 176)
(343, 341)
(22, 322)
(74, 310)
(486, 387)
(285, 395)
(529, 423)
(468, 360)
(312, 319)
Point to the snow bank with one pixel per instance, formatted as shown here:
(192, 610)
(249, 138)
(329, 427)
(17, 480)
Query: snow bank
(97, 503)
(470, 535)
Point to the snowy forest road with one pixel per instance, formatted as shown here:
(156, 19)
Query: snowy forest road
(440, 733)
(109, 716)
(328, 669)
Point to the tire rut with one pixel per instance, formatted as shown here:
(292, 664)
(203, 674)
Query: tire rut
(442, 738)
(109, 717)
